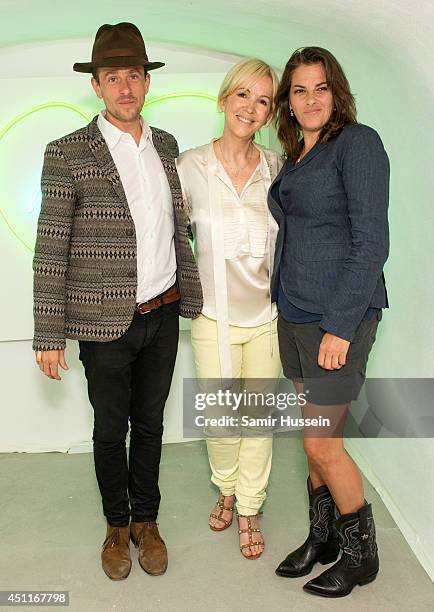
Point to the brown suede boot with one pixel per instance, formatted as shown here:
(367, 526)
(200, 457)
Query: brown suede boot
(115, 555)
(152, 549)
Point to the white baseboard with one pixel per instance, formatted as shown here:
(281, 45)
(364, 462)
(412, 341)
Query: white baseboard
(412, 537)
(87, 447)
(81, 447)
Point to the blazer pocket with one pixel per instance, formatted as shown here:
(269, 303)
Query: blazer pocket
(84, 293)
(325, 251)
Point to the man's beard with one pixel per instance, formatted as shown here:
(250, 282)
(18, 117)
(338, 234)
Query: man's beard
(125, 116)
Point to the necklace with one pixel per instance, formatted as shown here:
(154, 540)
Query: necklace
(239, 169)
(302, 154)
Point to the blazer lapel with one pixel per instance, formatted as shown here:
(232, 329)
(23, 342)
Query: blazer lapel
(167, 156)
(168, 161)
(158, 143)
(308, 157)
(105, 161)
(273, 204)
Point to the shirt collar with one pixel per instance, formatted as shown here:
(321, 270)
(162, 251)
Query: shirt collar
(112, 134)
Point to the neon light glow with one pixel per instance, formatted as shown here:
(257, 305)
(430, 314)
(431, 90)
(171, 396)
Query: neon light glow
(8, 127)
(185, 94)
(50, 105)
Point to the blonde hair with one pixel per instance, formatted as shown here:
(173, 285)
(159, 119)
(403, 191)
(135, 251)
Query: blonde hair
(246, 73)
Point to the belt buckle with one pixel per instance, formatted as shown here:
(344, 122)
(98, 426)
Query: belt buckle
(144, 312)
(160, 300)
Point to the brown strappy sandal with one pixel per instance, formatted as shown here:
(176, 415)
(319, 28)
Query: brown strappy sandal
(250, 530)
(219, 516)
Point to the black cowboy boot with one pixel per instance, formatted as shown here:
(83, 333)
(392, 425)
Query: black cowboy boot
(321, 544)
(359, 561)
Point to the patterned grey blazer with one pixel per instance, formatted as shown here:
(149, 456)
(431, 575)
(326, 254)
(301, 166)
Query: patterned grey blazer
(85, 264)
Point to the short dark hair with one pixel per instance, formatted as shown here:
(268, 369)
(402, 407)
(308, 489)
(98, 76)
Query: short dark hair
(288, 128)
(96, 75)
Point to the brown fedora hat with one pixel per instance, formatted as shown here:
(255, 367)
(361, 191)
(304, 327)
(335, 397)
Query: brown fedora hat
(117, 45)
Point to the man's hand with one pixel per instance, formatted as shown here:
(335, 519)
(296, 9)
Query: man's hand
(332, 352)
(49, 361)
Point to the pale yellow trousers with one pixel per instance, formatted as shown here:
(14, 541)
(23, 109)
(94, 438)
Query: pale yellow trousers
(240, 465)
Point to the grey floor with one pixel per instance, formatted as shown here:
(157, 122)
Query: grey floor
(51, 529)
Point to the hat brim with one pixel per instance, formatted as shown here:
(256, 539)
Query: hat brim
(117, 62)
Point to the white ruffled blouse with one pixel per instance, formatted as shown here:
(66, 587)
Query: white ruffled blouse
(234, 241)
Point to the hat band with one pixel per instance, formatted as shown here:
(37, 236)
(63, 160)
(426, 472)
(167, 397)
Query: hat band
(119, 53)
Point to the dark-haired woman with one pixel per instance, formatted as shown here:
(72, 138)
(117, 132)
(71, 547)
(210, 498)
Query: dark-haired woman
(331, 201)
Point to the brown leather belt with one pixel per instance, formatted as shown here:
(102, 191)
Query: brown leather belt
(167, 297)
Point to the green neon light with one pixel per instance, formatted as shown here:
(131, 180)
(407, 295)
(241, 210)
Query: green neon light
(184, 94)
(192, 94)
(9, 126)
(18, 118)
(35, 109)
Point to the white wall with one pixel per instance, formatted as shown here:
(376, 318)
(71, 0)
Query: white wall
(402, 473)
(386, 52)
(43, 415)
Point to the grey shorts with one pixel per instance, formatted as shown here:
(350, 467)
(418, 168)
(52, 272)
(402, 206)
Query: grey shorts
(299, 347)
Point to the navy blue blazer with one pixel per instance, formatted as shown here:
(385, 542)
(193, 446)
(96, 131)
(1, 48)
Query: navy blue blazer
(333, 235)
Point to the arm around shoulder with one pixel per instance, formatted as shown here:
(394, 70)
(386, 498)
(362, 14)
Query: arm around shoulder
(275, 161)
(168, 139)
(190, 165)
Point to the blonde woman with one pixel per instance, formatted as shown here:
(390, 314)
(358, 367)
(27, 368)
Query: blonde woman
(225, 185)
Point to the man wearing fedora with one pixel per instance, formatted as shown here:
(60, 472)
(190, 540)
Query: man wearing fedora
(113, 268)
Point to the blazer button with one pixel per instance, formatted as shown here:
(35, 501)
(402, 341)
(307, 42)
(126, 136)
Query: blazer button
(130, 232)
(131, 274)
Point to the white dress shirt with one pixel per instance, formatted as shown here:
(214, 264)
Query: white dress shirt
(150, 201)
